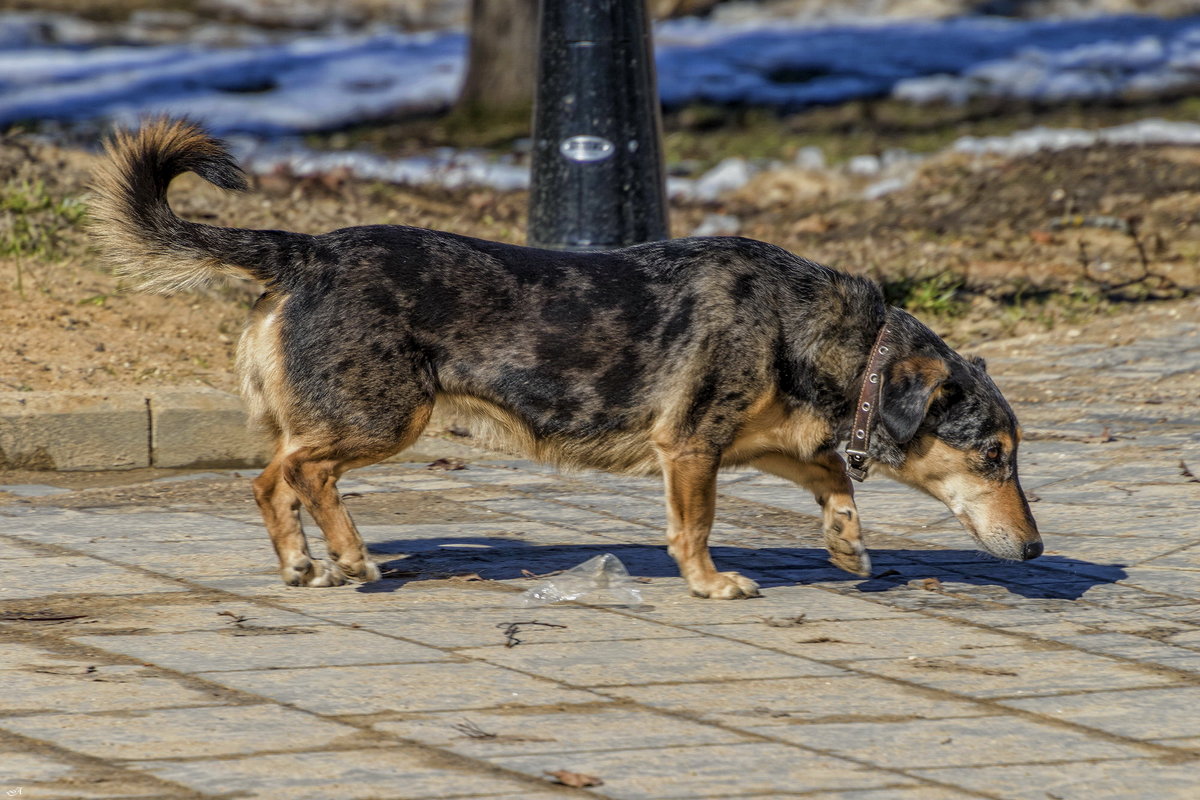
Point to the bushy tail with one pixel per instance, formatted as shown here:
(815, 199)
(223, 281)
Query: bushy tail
(142, 237)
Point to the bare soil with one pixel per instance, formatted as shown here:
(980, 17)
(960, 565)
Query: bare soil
(983, 248)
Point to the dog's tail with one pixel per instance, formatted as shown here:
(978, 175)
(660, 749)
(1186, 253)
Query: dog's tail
(143, 238)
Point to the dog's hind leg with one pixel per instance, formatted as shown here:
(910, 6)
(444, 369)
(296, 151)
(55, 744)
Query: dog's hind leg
(825, 476)
(313, 473)
(690, 479)
(280, 507)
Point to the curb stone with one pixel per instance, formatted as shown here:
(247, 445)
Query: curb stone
(202, 428)
(126, 430)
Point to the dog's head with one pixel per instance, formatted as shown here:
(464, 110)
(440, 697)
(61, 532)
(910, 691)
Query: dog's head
(946, 430)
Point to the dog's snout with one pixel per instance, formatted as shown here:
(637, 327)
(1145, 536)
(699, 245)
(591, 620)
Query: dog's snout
(1032, 550)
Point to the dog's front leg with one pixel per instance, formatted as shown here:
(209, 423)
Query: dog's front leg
(690, 480)
(825, 476)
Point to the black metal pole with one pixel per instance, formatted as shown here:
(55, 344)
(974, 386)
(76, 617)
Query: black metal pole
(597, 179)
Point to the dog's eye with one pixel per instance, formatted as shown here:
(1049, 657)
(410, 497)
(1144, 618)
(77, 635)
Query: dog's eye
(993, 453)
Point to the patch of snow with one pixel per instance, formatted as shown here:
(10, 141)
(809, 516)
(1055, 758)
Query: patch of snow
(306, 84)
(309, 82)
(727, 176)
(1147, 131)
(445, 167)
(810, 157)
(792, 65)
(864, 165)
(1145, 63)
(885, 186)
(718, 225)
(892, 171)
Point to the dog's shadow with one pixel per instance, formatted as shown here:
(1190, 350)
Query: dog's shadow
(500, 558)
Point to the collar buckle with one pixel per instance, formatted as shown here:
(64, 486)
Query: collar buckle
(856, 465)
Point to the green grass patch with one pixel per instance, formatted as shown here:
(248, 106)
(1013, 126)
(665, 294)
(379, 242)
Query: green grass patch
(33, 221)
(36, 225)
(941, 295)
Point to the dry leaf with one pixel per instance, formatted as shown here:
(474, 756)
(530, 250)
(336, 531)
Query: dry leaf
(448, 464)
(1105, 437)
(813, 223)
(783, 622)
(1043, 237)
(576, 779)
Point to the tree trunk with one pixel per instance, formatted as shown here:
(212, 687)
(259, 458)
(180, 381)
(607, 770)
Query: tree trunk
(501, 64)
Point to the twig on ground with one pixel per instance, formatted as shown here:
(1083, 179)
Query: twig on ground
(472, 731)
(511, 629)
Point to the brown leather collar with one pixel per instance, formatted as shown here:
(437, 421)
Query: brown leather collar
(868, 404)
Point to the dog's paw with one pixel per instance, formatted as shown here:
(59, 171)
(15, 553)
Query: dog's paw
(364, 571)
(850, 556)
(725, 586)
(307, 572)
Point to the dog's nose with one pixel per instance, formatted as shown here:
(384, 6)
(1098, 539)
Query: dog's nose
(1032, 550)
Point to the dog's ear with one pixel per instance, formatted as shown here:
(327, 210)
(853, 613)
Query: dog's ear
(978, 362)
(908, 390)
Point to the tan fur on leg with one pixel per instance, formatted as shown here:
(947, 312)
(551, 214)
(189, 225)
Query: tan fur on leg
(316, 483)
(280, 507)
(312, 473)
(825, 476)
(690, 480)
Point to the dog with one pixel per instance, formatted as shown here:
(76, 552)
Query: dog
(677, 358)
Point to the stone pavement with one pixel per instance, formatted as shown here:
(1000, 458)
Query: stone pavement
(147, 650)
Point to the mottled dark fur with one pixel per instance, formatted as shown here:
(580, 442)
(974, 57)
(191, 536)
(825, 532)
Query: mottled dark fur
(680, 356)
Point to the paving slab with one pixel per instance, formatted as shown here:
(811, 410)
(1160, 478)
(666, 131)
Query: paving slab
(182, 732)
(632, 662)
(787, 701)
(402, 688)
(846, 640)
(973, 741)
(485, 734)
(242, 649)
(1149, 714)
(105, 687)
(365, 774)
(42, 576)
(1162, 779)
(705, 772)
(458, 627)
(1013, 672)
